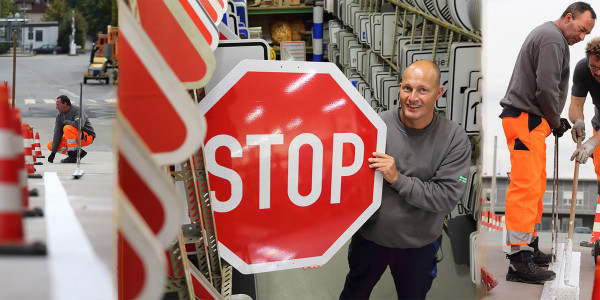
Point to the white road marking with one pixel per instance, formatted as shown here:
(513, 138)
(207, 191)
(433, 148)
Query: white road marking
(76, 272)
(70, 94)
(29, 101)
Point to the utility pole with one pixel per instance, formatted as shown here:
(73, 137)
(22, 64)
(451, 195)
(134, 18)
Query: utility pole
(493, 190)
(72, 44)
(14, 66)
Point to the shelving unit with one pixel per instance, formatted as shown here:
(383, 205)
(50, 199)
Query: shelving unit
(270, 10)
(263, 16)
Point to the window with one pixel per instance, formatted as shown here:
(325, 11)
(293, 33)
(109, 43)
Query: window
(547, 200)
(567, 198)
(487, 195)
(38, 35)
(25, 6)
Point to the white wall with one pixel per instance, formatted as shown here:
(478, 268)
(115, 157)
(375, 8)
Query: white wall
(49, 35)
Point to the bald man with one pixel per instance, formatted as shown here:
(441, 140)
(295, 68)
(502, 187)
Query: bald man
(425, 168)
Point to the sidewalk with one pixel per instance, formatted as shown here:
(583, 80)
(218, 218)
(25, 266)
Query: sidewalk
(496, 264)
(89, 200)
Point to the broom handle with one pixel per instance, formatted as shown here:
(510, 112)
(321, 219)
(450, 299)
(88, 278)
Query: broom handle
(574, 195)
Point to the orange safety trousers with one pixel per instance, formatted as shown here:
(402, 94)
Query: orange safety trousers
(525, 137)
(596, 159)
(69, 140)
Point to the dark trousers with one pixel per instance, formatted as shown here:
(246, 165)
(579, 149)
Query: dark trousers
(413, 269)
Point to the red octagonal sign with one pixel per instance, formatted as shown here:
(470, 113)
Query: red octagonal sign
(286, 151)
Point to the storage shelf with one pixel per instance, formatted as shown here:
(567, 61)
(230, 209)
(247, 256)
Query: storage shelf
(473, 35)
(309, 49)
(271, 10)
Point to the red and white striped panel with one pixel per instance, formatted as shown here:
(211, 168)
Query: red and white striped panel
(225, 33)
(11, 223)
(178, 40)
(200, 18)
(146, 81)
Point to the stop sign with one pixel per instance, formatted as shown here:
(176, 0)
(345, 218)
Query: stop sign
(286, 152)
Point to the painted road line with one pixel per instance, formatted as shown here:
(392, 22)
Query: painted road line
(71, 94)
(111, 100)
(92, 100)
(50, 101)
(29, 101)
(76, 272)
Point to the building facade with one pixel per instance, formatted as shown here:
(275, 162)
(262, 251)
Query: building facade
(585, 203)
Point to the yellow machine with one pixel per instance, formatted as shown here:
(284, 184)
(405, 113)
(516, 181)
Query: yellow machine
(105, 56)
(98, 70)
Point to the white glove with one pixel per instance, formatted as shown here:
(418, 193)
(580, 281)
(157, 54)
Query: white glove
(585, 150)
(578, 130)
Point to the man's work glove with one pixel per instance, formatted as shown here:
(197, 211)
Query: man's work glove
(578, 130)
(562, 128)
(51, 157)
(585, 150)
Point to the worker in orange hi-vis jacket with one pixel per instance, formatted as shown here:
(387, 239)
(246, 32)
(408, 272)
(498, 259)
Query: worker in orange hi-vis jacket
(534, 100)
(66, 130)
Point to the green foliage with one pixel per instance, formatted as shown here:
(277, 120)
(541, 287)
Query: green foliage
(91, 17)
(97, 13)
(7, 7)
(60, 11)
(4, 47)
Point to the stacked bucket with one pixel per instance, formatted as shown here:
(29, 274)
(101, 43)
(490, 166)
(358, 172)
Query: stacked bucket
(13, 184)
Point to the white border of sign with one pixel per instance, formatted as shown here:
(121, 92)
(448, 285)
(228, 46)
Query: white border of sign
(309, 68)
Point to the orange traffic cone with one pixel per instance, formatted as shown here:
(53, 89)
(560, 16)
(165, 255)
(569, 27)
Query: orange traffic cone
(37, 146)
(32, 142)
(596, 229)
(11, 218)
(29, 158)
(22, 173)
(18, 142)
(27, 149)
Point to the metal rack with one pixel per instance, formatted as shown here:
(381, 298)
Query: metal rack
(451, 29)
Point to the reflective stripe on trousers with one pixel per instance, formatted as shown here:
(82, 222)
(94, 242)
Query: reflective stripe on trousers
(525, 137)
(69, 140)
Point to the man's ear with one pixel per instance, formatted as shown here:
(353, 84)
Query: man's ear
(569, 18)
(440, 92)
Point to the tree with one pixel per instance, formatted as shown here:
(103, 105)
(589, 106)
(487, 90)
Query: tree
(98, 14)
(60, 11)
(7, 7)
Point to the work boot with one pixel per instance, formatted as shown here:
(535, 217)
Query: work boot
(82, 154)
(528, 272)
(539, 258)
(72, 158)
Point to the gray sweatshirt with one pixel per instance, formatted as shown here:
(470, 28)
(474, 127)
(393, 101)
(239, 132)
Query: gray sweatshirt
(434, 165)
(71, 117)
(540, 79)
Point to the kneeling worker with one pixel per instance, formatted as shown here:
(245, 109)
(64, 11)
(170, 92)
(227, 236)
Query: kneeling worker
(66, 129)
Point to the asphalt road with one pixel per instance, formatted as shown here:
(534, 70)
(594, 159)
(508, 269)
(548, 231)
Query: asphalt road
(42, 78)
